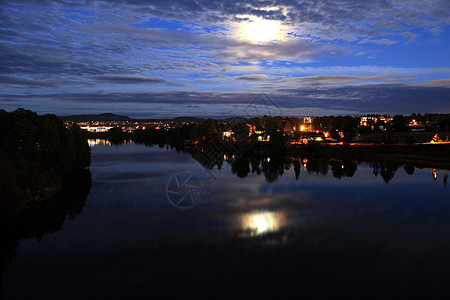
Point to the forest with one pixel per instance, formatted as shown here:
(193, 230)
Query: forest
(37, 155)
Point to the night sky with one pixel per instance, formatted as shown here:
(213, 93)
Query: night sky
(162, 59)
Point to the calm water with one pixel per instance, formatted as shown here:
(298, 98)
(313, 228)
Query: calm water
(156, 223)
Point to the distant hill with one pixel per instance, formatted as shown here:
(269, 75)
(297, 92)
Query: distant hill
(195, 119)
(101, 117)
(233, 119)
(114, 117)
(188, 119)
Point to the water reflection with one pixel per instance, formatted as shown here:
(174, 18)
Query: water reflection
(409, 169)
(274, 165)
(262, 228)
(261, 222)
(435, 173)
(385, 169)
(96, 142)
(45, 217)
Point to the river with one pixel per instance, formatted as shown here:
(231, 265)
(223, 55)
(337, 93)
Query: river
(157, 223)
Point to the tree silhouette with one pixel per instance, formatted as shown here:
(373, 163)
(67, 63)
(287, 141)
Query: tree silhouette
(297, 168)
(387, 170)
(36, 154)
(337, 169)
(409, 169)
(399, 123)
(240, 167)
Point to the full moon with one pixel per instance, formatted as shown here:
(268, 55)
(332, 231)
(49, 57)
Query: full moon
(261, 30)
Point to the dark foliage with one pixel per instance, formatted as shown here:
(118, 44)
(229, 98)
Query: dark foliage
(346, 124)
(36, 154)
(399, 123)
(409, 169)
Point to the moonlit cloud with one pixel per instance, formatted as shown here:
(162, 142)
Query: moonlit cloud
(349, 56)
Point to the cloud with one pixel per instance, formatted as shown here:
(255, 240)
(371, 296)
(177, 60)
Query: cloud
(324, 81)
(380, 42)
(358, 70)
(25, 82)
(347, 17)
(437, 83)
(127, 79)
(255, 77)
(241, 68)
(381, 98)
(91, 46)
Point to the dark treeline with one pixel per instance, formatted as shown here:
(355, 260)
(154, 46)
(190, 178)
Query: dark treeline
(36, 154)
(346, 124)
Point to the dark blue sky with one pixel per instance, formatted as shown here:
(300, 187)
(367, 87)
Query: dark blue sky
(213, 58)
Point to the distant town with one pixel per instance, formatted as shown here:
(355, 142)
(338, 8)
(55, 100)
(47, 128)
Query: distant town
(429, 128)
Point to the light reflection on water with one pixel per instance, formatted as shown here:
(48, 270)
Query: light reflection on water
(95, 142)
(261, 222)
